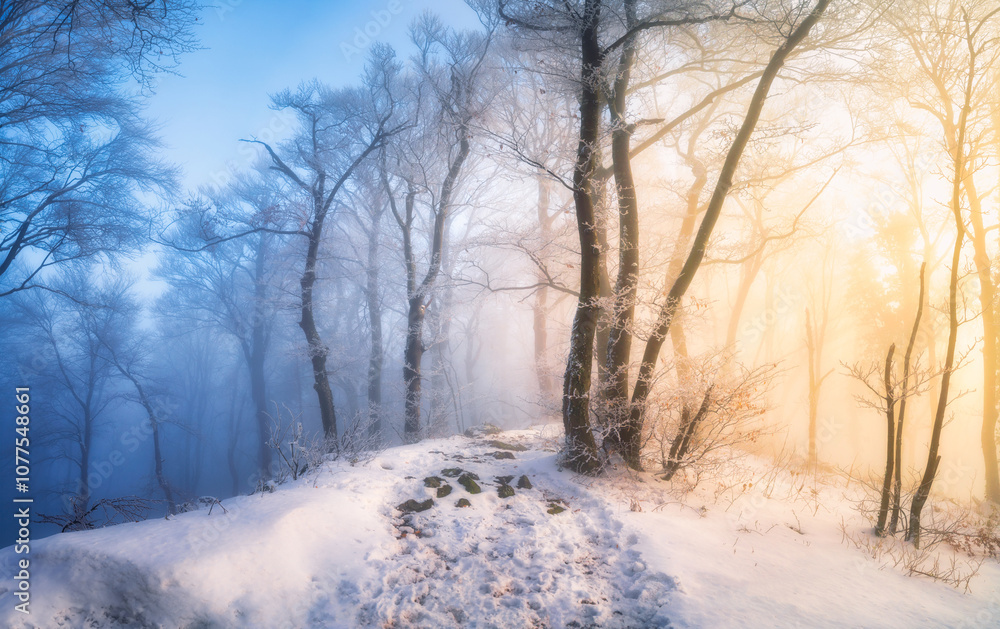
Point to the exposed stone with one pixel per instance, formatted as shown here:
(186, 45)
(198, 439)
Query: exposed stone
(451, 472)
(413, 506)
(433, 481)
(463, 502)
(502, 455)
(505, 491)
(523, 482)
(466, 480)
(554, 509)
(503, 480)
(443, 491)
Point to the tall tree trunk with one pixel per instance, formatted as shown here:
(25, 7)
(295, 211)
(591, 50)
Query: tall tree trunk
(933, 458)
(602, 334)
(890, 435)
(413, 353)
(417, 295)
(374, 307)
(256, 358)
(897, 481)
(318, 350)
(633, 429)
(154, 423)
(626, 284)
(581, 449)
(987, 303)
(540, 306)
(748, 273)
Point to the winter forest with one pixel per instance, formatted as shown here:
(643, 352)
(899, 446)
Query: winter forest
(505, 313)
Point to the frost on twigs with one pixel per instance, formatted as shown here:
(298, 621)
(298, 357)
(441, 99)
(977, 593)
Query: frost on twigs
(693, 423)
(296, 452)
(104, 512)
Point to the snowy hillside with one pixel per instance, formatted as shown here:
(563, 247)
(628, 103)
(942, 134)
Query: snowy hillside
(333, 550)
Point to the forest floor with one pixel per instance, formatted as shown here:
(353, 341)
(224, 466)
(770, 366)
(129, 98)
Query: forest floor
(757, 546)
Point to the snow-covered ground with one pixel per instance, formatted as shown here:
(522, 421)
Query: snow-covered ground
(332, 550)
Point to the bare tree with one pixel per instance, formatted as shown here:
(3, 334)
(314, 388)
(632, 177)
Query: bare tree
(338, 130)
(74, 154)
(954, 78)
(230, 285)
(452, 73)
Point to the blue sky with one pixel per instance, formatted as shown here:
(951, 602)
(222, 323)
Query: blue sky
(254, 48)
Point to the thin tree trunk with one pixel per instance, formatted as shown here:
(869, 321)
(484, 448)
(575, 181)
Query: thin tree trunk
(626, 284)
(256, 358)
(540, 307)
(681, 444)
(154, 423)
(987, 302)
(375, 356)
(897, 482)
(581, 449)
(933, 459)
(813, 393)
(748, 273)
(890, 435)
(633, 430)
(417, 295)
(318, 350)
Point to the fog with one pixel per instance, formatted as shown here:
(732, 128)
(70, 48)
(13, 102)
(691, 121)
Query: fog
(402, 260)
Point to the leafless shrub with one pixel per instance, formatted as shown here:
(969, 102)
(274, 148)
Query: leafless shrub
(294, 450)
(297, 453)
(942, 565)
(104, 512)
(357, 443)
(694, 426)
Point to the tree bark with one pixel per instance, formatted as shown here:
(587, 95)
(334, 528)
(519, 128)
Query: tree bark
(933, 459)
(626, 284)
(890, 435)
(318, 350)
(581, 449)
(417, 295)
(897, 482)
(374, 307)
(255, 361)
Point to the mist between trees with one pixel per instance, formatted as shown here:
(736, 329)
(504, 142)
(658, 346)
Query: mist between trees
(682, 227)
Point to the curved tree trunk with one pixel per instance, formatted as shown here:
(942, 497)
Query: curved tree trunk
(723, 185)
(318, 350)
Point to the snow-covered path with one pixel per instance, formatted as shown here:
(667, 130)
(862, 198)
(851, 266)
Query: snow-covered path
(333, 551)
(528, 567)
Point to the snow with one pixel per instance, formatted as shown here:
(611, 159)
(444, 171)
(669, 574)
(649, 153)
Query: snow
(331, 550)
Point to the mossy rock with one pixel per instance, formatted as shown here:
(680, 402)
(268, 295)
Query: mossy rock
(443, 491)
(413, 506)
(433, 482)
(505, 491)
(463, 502)
(466, 480)
(524, 483)
(502, 455)
(503, 445)
(452, 472)
(554, 509)
(503, 480)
